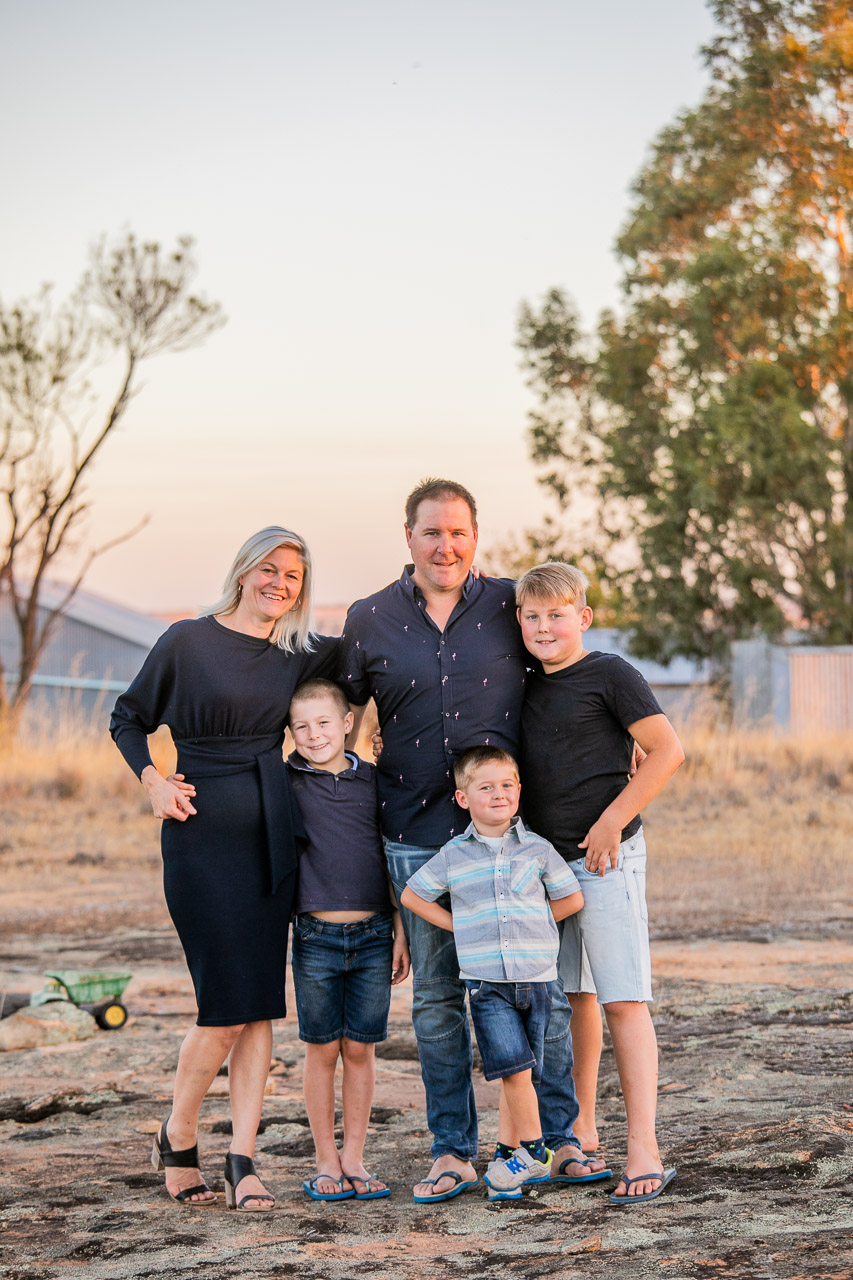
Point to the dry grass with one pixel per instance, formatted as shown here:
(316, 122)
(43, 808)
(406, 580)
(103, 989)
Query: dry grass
(753, 830)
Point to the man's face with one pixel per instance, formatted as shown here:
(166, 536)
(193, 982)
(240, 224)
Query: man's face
(442, 543)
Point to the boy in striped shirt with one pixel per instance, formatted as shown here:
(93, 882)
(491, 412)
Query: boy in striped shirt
(498, 875)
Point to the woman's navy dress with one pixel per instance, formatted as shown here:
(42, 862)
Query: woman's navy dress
(229, 870)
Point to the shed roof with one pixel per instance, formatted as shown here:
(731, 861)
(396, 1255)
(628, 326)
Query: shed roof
(681, 671)
(105, 615)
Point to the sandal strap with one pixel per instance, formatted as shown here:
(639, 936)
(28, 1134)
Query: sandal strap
(186, 1159)
(237, 1168)
(190, 1191)
(258, 1196)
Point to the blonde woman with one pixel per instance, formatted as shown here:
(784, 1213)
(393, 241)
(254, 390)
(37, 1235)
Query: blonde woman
(230, 835)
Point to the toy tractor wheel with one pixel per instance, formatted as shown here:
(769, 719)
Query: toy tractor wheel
(111, 1015)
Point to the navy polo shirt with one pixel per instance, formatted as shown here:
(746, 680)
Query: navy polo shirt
(437, 693)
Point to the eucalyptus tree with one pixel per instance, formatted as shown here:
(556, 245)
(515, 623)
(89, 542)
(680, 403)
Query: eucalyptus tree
(715, 412)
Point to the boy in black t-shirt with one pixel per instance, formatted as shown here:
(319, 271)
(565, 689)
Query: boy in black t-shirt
(582, 713)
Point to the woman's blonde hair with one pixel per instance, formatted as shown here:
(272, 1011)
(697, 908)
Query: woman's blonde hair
(292, 631)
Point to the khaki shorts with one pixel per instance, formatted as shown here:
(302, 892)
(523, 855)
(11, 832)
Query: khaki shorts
(604, 949)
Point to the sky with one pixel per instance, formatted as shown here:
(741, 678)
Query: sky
(373, 188)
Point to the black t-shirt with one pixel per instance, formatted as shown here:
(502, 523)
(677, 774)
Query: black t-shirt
(576, 749)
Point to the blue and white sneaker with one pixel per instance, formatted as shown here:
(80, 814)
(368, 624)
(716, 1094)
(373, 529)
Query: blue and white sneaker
(519, 1170)
(513, 1194)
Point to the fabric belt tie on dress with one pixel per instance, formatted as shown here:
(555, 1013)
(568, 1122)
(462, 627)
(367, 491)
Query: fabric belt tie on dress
(218, 757)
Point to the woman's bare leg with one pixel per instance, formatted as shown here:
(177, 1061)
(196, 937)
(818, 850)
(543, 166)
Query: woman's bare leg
(202, 1054)
(248, 1069)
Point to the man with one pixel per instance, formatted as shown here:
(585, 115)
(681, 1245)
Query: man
(441, 653)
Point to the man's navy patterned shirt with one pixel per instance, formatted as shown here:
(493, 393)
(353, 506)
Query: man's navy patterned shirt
(438, 693)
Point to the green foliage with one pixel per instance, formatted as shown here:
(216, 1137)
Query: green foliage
(720, 398)
(551, 542)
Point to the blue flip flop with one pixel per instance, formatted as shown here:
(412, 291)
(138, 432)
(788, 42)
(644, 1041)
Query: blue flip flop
(445, 1195)
(368, 1194)
(666, 1178)
(309, 1186)
(562, 1177)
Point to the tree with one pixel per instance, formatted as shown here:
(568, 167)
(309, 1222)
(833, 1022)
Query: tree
(134, 302)
(720, 400)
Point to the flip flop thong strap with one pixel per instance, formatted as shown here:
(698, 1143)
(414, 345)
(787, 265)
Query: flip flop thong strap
(642, 1177)
(312, 1183)
(564, 1166)
(451, 1173)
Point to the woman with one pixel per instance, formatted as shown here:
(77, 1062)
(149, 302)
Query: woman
(230, 836)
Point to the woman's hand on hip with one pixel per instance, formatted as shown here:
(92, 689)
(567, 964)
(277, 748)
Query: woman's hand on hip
(170, 797)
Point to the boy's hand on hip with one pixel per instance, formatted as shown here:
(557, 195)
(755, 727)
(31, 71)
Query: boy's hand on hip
(602, 843)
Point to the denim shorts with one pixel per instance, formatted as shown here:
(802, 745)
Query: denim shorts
(604, 949)
(510, 1021)
(342, 977)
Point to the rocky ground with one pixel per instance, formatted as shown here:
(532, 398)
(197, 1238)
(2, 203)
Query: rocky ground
(755, 1021)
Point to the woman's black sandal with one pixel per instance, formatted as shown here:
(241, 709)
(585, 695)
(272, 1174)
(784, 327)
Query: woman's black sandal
(163, 1157)
(236, 1169)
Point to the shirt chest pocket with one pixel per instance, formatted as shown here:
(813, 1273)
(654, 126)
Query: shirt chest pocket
(524, 879)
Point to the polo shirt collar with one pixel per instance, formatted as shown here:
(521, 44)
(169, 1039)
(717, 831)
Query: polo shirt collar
(299, 762)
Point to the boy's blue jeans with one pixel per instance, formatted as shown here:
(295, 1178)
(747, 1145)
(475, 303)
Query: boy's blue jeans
(440, 1020)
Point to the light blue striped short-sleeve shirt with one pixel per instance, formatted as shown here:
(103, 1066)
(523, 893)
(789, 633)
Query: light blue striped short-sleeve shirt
(502, 924)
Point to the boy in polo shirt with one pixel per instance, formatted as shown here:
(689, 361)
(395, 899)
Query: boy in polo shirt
(348, 942)
(582, 713)
(497, 874)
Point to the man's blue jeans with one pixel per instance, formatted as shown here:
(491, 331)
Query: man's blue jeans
(440, 1020)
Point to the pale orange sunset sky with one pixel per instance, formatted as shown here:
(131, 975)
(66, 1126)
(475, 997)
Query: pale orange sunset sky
(373, 189)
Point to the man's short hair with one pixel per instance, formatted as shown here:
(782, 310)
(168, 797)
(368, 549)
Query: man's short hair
(318, 688)
(466, 765)
(556, 581)
(431, 490)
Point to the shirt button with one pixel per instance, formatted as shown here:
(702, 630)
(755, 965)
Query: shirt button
(447, 715)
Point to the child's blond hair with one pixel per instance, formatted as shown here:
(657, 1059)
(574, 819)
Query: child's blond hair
(466, 765)
(556, 581)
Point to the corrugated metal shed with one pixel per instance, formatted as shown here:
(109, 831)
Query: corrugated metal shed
(683, 689)
(94, 653)
(793, 688)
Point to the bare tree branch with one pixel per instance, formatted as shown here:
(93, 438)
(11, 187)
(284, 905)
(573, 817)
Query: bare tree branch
(135, 301)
